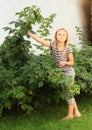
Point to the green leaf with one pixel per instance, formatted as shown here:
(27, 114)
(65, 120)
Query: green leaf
(40, 84)
(7, 28)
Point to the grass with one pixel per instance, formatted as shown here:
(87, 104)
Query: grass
(49, 118)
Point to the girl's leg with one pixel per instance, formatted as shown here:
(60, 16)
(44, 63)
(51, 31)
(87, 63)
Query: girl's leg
(71, 103)
(72, 110)
(76, 111)
(72, 106)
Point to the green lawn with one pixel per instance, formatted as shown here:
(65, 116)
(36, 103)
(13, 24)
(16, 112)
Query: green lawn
(49, 118)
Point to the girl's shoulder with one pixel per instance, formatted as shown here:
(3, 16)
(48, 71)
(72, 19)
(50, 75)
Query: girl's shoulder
(69, 49)
(52, 46)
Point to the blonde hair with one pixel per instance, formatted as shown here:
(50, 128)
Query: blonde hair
(66, 41)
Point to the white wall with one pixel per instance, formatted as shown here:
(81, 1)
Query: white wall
(67, 11)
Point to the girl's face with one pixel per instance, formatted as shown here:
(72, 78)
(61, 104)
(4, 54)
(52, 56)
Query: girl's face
(61, 36)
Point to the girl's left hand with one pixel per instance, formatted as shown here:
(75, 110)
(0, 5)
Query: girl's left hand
(62, 63)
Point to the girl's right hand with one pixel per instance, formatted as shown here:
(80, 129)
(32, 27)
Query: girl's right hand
(62, 63)
(39, 39)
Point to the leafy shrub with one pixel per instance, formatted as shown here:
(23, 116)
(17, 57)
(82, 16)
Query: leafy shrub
(16, 53)
(27, 80)
(83, 63)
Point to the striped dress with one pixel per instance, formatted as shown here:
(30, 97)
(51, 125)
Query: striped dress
(68, 70)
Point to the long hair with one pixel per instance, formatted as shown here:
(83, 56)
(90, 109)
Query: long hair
(66, 41)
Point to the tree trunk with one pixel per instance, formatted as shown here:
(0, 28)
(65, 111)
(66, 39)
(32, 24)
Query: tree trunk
(86, 13)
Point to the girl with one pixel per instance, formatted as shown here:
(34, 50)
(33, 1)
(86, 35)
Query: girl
(64, 59)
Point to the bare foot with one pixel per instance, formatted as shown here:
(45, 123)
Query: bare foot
(67, 118)
(77, 114)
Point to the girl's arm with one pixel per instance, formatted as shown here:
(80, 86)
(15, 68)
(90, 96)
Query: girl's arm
(70, 61)
(37, 38)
